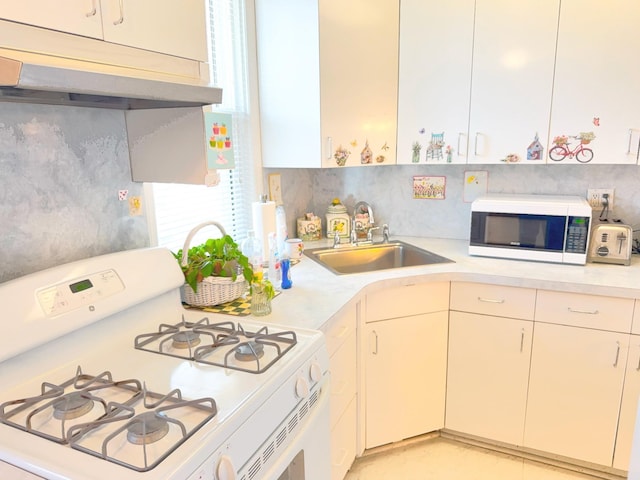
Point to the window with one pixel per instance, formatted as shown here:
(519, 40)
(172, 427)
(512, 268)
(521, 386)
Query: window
(179, 208)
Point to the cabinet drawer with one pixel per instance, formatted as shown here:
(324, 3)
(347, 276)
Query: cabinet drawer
(496, 300)
(343, 378)
(339, 328)
(589, 311)
(635, 328)
(407, 300)
(343, 443)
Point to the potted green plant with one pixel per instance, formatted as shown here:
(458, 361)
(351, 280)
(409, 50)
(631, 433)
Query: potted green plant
(215, 271)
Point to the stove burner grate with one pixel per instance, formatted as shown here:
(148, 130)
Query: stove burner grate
(222, 344)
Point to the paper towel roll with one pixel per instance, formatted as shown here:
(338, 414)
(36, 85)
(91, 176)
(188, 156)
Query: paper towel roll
(264, 222)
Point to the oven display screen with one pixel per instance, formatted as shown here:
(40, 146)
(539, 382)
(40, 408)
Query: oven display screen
(80, 286)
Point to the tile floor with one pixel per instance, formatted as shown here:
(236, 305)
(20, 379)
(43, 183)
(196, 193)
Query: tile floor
(444, 459)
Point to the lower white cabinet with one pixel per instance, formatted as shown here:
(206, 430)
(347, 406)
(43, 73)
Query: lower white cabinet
(405, 377)
(341, 335)
(575, 386)
(629, 406)
(487, 377)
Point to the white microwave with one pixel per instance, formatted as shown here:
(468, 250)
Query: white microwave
(545, 228)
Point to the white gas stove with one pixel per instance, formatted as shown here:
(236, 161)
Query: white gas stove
(105, 375)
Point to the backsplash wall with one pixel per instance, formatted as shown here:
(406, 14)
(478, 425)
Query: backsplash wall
(389, 191)
(60, 172)
(61, 169)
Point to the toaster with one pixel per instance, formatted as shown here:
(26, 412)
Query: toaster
(611, 243)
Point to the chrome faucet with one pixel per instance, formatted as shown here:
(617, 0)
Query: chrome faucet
(354, 233)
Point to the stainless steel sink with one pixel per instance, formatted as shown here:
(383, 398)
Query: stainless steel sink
(370, 258)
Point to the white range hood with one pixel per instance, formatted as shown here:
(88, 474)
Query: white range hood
(34, 78)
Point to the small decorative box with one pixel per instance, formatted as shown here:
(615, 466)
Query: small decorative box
(309, 227)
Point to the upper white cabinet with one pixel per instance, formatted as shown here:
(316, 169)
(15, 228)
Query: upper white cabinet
(513, 59)
(80, 17)
(476, 80)
(436, 43)
(596, 93)
(328, 79)
(158, 26)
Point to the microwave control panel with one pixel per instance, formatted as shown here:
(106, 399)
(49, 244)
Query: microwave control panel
(577, 235)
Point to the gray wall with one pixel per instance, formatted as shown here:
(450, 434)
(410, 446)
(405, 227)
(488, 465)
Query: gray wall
(61, 169)
(389, 190)
(60, 172)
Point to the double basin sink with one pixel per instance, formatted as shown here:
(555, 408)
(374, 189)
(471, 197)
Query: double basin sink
(373, 257)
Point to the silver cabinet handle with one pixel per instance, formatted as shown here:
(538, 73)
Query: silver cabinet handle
(94, 10)
(375, 336)
(475, 144)
(585, 312)
(522, 341)
(121, 17)
(629, 146)
(615, 362)
(460, 135)
(329, 147)
(490, 300)
(638, 367)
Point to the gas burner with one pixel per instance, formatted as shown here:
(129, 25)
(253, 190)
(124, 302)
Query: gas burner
(224, 344)
(72, 405)
(146, 428)
(248, 351)
(185, 339)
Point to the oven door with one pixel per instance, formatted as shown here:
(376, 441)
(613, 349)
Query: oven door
(308, 456)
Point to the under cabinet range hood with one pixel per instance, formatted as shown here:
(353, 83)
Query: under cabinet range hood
(34, 78)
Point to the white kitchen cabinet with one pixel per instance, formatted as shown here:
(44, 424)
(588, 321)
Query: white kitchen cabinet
(80, 17)
(436, 41)
(513, 60)
(406, 377)
(487, 376)
(478, 73)
(490, 334)
(595, 86)
(575, 386)
(405, 344)
(328, 79)
(340, 333)
(158, 26)
(629, 406)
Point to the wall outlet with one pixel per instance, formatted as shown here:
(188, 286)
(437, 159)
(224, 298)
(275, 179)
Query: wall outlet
(595, 197)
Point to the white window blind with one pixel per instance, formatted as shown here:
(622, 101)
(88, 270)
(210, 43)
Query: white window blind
(178, 208)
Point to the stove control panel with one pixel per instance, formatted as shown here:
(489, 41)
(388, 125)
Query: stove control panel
(67, 296)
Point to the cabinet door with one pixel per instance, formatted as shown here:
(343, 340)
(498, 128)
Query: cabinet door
(80, 17)
(595, 87)
(513, 59)
(629, 407)
(161, 26)
(488, 375)
(436, 40)
(405, 377)
(359, 80)
(575, 386)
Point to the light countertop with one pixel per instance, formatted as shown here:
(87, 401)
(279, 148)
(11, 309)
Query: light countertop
(318, 294)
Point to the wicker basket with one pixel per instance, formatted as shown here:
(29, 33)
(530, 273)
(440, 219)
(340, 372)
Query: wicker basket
(211, 290)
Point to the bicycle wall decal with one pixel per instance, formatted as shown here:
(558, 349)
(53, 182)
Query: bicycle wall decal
(562, 148)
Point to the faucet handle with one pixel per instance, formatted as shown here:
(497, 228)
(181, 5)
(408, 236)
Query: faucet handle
(370, 233)
(385, 233)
